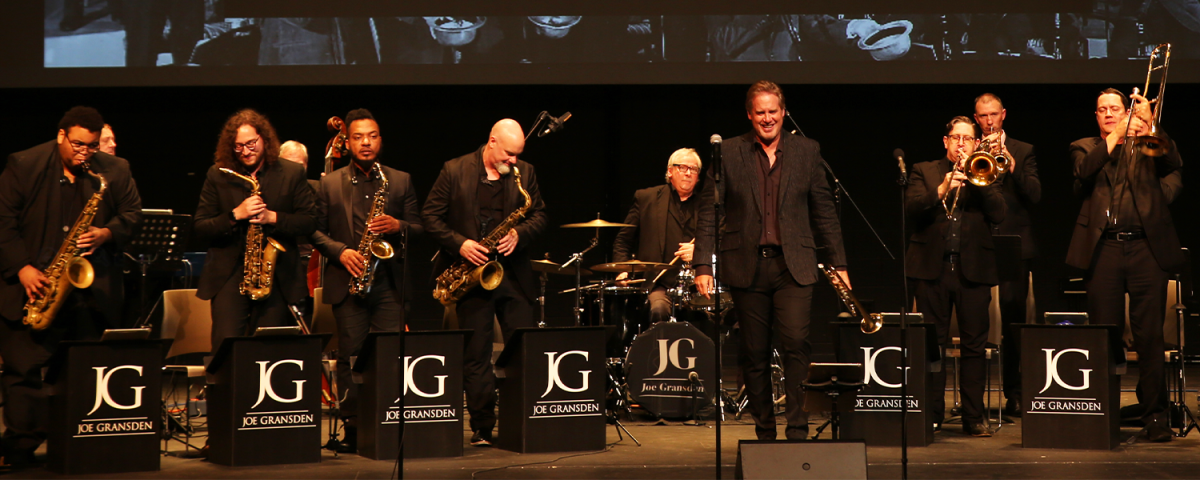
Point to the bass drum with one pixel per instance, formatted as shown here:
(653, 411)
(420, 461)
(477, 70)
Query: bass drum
(625, 310)
(659, 364)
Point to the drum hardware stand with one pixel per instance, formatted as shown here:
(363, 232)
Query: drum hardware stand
(1178, 387)
(577, 258)
(612, 414)
(542, 279)
(833, 388)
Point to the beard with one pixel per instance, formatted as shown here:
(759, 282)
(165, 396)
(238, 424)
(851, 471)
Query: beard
(503, 168)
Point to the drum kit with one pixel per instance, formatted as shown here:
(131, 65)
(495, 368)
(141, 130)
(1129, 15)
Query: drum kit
(662, 368)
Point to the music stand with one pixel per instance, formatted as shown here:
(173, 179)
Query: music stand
(828, 379)
(160, 239)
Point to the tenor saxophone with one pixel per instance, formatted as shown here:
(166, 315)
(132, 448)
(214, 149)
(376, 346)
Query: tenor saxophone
(259, 262)
(462, 276)
(68, 270)
(372, 242)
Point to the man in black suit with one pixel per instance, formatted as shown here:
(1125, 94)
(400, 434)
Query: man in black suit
(296, 152)
(778, 211)
(951, 258)
(474, 194)
(1126, 240)
(347, 196)
(43, 191)
(1022, 190)
(666, 225)
(285, 210)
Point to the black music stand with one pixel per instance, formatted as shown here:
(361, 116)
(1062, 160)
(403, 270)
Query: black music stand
(828, 379)
(159, 240)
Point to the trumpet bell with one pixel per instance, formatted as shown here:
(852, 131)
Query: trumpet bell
(871, 323)
(982, 169)
(382, 250)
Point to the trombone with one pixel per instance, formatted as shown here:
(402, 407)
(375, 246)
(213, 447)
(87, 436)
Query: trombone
(1153, 142)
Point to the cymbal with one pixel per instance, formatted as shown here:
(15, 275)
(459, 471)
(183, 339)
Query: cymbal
(597, 223)
(631, 267)
(551, 267)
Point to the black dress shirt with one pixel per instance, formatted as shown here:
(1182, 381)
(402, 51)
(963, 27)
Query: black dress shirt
(768, 177)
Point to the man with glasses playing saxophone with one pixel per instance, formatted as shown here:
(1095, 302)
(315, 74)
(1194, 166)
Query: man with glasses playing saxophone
(44, 191)
(252, 202)
(951, 259)
(365, 211)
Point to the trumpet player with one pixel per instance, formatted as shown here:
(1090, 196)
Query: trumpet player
(43, 192)
(473, 196)
(1126, 240)
(349, 216)
(228, 215)
(1022, 189)
(950, 258)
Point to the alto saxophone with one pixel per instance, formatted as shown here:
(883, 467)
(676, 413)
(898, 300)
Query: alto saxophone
(462, 276)
(259, 262)
(371, 241)
(870, 322)
(68, 270)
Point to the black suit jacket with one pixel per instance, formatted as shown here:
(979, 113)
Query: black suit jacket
(807, 216)
(451, 214)
(335, 227)
(649, 238)
(31, 214)
(1158, 182)
(1022, 189)
(927, 217)
(285, 190)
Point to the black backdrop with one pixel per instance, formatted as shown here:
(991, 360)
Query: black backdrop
(617, 141)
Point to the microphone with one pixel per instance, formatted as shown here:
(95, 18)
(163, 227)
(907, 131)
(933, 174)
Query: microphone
(715, 140)
(555, 124)
(899, 154)
(693, 377)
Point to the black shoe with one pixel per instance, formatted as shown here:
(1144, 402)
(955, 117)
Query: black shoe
(481, 439)
(1158, 432)
(977, 430)
(1012, 407)
(765, 433)
(796, 433)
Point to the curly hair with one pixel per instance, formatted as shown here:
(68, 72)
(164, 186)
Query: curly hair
(85, 117)
(225, 157)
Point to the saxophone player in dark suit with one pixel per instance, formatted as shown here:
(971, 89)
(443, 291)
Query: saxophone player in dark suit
(779, 210)
(346, 200)
(950, 257)
(1022, 189)
(43, 192)
(286, 209)
(1126, 240)
(474, 194)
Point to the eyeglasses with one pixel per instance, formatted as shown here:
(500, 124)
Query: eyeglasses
(961, 138)
(1114, 110)
(81, 147)
(685, 169)
(249, 146)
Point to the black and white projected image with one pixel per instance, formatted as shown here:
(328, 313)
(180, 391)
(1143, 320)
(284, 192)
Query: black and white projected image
(123, 33)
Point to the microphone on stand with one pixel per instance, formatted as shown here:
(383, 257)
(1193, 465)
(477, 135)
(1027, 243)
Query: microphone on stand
(555, 124)
(715, 140)
(899, 154)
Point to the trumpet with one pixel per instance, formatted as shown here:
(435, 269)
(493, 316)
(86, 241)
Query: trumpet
(870, 322)
(982, 168)
(1153, 142)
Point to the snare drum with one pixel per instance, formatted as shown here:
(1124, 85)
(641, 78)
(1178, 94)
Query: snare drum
(624, 308)
(699, 302)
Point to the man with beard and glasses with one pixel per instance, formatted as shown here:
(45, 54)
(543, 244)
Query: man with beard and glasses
(346, 198)
(778, 209)
(43, 191)
(474, 194)
(285, 210)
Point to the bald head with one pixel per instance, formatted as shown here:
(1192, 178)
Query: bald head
(505, 143)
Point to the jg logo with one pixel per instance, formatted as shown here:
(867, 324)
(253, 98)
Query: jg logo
(668, 351)
(552, 374)
(1052, 369)
(102, 393)
(265, 389)
(869, 372)
(410, 365)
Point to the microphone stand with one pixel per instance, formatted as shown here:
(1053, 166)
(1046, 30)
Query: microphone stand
(903, 182)
(533, 128)
(717, 215)
(404, 318)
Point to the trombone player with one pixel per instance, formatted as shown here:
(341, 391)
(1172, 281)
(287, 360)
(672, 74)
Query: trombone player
(951, 260)
(1126, 240)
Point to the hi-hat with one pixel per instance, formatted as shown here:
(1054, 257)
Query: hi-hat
(597, 223)
(633, 266)
(551, 267)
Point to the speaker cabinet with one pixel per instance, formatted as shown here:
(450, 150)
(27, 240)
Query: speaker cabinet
(801, 459)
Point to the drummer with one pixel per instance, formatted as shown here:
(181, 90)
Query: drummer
(665, 219)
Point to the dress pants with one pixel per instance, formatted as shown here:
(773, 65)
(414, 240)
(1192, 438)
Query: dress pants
(476, 312)
(1012, 314)
(25, 353)
(356, 316)
(236, 315)
(970, 300)
(1120, 267)
(774, 303)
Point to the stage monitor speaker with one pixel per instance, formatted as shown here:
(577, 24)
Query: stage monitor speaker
(801, 459)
